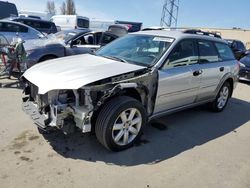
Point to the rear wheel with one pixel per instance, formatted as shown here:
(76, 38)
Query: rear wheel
(120, 123)
(222, 98)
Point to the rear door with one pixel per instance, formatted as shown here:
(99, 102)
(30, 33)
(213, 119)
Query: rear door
(179, 77)
(213, 68)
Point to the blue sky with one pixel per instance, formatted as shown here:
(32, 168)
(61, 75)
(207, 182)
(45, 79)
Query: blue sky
(195, 13)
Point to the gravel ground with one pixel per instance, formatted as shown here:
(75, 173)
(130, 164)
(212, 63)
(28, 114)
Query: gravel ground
(194, 148)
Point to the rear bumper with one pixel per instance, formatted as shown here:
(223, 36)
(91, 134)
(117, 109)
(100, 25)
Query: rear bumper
(244, 79)
(244, 74)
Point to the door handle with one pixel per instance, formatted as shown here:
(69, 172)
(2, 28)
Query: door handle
(222, 69)
(198, 72)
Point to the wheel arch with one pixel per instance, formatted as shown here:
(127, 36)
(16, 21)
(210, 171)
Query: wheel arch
(231, 82)
(230, 78)
(131, 90)
(47, 56)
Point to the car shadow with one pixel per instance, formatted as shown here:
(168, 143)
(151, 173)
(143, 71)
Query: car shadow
(174, 134)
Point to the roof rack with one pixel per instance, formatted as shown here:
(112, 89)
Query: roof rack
(200, 32)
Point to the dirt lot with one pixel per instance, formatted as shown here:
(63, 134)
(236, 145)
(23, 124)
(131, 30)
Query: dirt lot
(195, 148)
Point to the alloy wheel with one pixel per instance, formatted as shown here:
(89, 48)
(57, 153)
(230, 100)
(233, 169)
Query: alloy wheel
(127, 126)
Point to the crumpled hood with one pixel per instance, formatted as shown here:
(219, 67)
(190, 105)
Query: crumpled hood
(74, 72)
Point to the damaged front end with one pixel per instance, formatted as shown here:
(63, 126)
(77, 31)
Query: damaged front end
(63, 109)
(70, 109)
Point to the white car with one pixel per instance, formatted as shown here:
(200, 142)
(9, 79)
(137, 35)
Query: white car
(12, 30)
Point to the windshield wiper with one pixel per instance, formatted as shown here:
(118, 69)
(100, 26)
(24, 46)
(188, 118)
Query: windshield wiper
(115, 58)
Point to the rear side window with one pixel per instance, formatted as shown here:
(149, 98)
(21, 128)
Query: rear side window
(208, 53)
(45, 25)
(224, 51)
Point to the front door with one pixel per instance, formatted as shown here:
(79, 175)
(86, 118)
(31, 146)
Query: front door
(179, 77)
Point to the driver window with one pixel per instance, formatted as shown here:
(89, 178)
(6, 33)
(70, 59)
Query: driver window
(185, 53)
(84, 40)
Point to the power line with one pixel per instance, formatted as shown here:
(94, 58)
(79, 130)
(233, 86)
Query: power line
(170, 13)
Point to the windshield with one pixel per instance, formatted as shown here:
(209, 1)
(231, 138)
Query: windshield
(64, 35)
(143, 50)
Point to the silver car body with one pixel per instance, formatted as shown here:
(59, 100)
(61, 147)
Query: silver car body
(15, 30)
(92, 80)
(49, 48)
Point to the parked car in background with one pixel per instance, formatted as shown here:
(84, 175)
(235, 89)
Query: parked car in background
(69, 22)
(118, 29)
(238, 48)
(43, 26)
(66, 43)
(12, 30)
(100, 25)
(130, 81)
(133, 26)
(35, 14)
(29, 16)
(153, 28)
(244, 74)
(7, 9)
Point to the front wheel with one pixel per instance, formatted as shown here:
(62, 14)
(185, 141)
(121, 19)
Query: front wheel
(222, 98)
(120, 123)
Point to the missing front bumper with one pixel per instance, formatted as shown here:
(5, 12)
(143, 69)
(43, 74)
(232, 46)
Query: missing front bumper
(40, 119)
(54, 119)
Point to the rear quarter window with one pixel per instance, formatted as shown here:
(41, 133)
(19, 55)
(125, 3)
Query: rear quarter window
(208, 52)
(225, 52)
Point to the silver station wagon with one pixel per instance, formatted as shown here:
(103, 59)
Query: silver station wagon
(129, 82)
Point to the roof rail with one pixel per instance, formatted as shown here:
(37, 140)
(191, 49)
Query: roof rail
(200, 32)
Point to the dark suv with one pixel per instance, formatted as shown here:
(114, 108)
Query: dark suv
(238, 48)
(40, 25)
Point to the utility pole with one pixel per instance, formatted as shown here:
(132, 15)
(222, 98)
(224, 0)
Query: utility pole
(170, 13)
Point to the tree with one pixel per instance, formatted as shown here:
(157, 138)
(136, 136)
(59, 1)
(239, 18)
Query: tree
(63, 8)
(68, 7)
(71, 10)
(51, 9)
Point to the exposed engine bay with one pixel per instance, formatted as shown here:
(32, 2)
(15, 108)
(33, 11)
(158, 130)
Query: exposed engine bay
(70, 109)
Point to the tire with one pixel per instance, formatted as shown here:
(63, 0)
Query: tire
(115, 129)
(219, 104)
